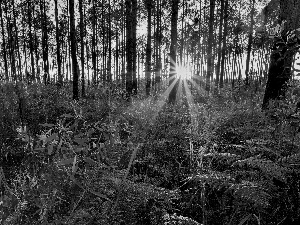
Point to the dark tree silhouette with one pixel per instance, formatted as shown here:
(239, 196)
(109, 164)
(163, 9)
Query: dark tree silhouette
(282, 55)
(173, 49)
(73, 50)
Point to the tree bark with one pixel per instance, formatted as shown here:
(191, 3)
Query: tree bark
(4, 45)
(73, 50)
(173, 50)
(131, 22)
(224, 44)
(148, 4)
(82, 48)
(250, 40)
(210, 45)
(94, 63)
(58, 55)
(219, 44)
(282, 57)
(45, 42)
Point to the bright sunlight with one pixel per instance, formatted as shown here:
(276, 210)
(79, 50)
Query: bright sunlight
(183, 72)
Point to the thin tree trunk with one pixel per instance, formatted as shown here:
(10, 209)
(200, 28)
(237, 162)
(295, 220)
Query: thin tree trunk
(210, 45)
(224, 44)
(73, 51)
(250, 40)
(148, 48)
(58, 54)
(131, 22)
(173, 50)
(82, 48)
(219, 44)
(4, 45)
(94, 43)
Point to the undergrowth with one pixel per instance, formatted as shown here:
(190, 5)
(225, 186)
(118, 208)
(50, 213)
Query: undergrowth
(102, 160)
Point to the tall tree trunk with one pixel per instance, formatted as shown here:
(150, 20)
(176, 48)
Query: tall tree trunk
(46, 77)
(148, 48)
(131, 22)
(224, 44)
(158, 46)
(58, 54)
(4, 45)
(210, 45)
(82, 48)
(173, 50)
(109, 75)
(282, 57)
(31, 48)
(250, 40)
(94, 59)
(219, 44)
(16, 46)
(73, 50)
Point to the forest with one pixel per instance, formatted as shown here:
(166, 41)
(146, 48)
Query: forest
(158, 112)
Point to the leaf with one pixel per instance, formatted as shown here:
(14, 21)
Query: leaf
(81, 141)
(245, 219)
(49, 125)
(50, 148)
(90, 161)
(59, 145)
(67, 116)
(51, 138)
(74, 167)
(83, 149)
(65, 162)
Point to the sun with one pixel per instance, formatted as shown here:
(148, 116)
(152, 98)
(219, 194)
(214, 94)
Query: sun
(183, 72)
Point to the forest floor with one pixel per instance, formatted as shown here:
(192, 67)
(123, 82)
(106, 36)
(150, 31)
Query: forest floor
(103, 160)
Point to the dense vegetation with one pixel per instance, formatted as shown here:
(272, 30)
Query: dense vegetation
(102, 160)
(149, 112)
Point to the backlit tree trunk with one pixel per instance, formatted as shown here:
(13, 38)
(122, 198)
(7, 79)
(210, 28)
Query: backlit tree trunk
(31, 48)
(210, 45)
(250, 40)
(4, 45)
(58, 55)
(282, 59)
(224, 44)
(173, 50)
(148, 4)
(131, 22)
(82, 48)
(73, 50)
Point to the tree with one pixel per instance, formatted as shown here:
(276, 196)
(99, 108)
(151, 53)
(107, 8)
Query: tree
(250, 40)
(4, 45)
(131, 23)
(282, 52)
(148, 47)
(210, 45)
(224, 43)
(73, 50)
(58, 56)
(219, 44)
(30, 6)
(82, 47)
(45, 40)
(173, 50)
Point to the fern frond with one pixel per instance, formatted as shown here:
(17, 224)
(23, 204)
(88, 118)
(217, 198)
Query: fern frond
(268, 167)
(252, 192)
(214, 179)
(291, 159)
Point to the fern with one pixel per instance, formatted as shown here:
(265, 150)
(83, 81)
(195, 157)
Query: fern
(252, 192)
(291, 159)
(268, 167)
